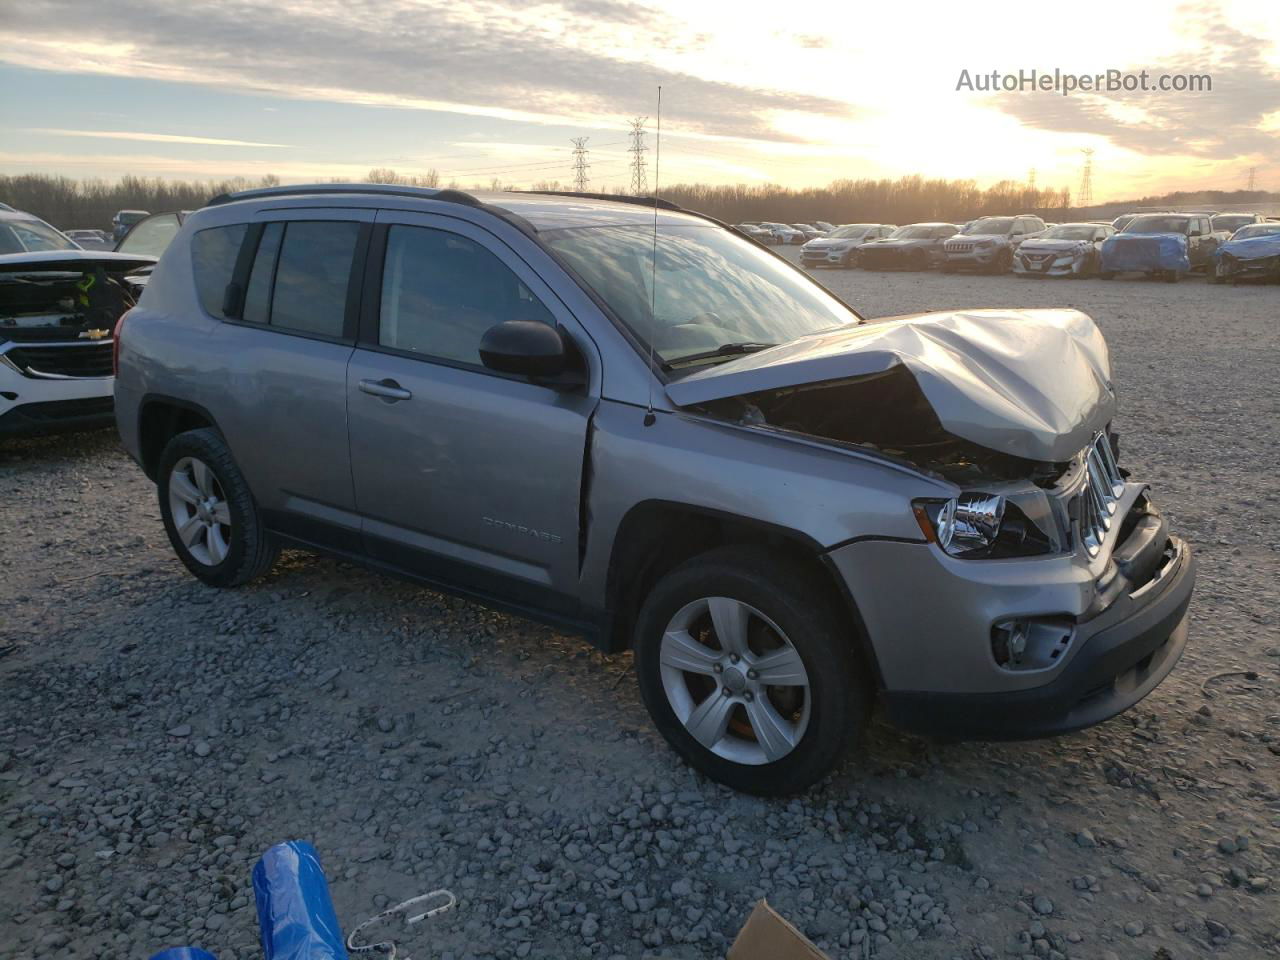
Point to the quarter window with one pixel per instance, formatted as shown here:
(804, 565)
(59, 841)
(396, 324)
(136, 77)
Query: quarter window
(213, 261)
(441, 292)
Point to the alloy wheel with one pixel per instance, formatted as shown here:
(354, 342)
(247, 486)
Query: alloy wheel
(201, 514)
(735, 681)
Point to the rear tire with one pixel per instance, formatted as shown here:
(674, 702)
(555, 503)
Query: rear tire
(760, 738)
(209, 513)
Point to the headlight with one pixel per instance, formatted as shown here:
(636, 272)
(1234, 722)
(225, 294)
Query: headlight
(979, 526)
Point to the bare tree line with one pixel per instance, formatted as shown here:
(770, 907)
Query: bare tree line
(69, 203)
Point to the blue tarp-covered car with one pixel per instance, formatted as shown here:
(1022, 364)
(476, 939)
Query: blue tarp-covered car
(1166, 245)
(1252, 253)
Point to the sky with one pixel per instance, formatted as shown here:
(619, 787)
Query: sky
(798, 94)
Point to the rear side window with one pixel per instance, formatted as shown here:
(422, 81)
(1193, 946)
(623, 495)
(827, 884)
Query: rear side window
(441, 292)
(300, 275)
(213, 260)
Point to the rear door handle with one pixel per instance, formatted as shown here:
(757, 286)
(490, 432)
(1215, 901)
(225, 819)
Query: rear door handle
(387, 389)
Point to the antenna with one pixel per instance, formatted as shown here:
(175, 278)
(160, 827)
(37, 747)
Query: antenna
(1253, 179)
(580, 163)
(649, 418)
(1031, 179)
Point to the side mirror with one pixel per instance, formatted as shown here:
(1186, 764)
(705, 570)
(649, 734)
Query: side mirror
(525, 347)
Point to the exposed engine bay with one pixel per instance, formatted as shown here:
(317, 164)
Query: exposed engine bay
(59, 304)
(886, 412)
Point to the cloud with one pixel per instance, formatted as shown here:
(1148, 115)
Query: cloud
(564, 62)
(150, 137)
(1227, 121)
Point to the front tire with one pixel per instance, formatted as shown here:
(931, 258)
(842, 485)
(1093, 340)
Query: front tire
(209, 513)
(709, 640)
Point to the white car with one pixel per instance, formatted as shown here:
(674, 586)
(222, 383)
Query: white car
(839, 247)
(58, 311)
(784, 233)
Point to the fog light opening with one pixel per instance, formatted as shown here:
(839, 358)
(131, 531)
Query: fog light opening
(1031, 643)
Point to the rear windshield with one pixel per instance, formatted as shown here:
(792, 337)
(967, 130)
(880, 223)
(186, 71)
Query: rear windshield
(713, 287)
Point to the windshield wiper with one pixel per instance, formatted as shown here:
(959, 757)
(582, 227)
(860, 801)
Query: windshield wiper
(724, 350)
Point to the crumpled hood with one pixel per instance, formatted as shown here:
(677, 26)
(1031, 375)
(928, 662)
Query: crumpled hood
(1030, 383)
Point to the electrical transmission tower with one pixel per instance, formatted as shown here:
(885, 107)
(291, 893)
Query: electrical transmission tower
(1253, 179)
(581, 163)
(1086, 180)
(639, 174)
(1031, 179)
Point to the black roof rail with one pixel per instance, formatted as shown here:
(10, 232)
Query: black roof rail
(378, 189)
(614, 197)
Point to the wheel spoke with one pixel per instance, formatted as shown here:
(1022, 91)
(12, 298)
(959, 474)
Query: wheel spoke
(190, 529)
(730, 620)
(710, 719)
(217, 545)
(681, 651)
(773, 733)
(222, 512)
(781, 668)
(204, 480)
(181, 487)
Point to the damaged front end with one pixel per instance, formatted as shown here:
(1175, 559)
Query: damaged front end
(1006, 405)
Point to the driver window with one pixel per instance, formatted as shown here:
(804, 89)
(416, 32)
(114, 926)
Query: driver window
(441, 292)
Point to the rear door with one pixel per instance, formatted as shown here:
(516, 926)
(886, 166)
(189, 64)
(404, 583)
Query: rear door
(463, 475)
(283, 360)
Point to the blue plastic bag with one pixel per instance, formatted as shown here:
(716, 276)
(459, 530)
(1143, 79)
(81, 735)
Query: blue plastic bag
(1252, 248)
(295, 913)
(183, 953)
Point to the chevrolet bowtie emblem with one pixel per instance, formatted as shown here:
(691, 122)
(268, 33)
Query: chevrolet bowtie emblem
(96, 334)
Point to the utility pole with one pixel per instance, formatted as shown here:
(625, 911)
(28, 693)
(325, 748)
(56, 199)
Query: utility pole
(1086, 180)
(1253, 179)
(581, 163)
(639, 175)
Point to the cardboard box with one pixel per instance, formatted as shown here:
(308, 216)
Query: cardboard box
(767, 936)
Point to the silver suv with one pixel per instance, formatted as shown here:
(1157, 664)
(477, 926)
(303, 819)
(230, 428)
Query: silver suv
(636, 424)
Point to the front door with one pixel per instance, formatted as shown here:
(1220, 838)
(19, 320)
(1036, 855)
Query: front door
(461, 474)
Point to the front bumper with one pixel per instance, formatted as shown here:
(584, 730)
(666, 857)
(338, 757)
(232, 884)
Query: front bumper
(978, 258)
(1123, 655)
(35, 405)
(1059, 265)
(1125, 608)
(821, 255)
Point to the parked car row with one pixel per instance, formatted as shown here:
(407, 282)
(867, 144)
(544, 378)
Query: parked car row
(1165, 246)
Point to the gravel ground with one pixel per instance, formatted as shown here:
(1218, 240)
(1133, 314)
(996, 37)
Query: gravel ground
(158, 735)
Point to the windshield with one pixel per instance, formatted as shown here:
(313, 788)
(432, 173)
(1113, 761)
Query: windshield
(1232, 222)
(1071, 231)
(990, 225)
(914, 233)
(1256, 230)
(130, 217)
(713, 288)
(1156, 225)
(151, 236)
(850, 231)
(30, 236)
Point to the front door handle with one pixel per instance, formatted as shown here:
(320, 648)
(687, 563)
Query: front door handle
(388, 390)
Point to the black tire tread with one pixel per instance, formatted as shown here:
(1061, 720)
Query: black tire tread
(256, 550)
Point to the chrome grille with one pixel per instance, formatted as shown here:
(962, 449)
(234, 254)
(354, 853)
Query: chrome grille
(62, 361)
(959, 247)
(1096, 503)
